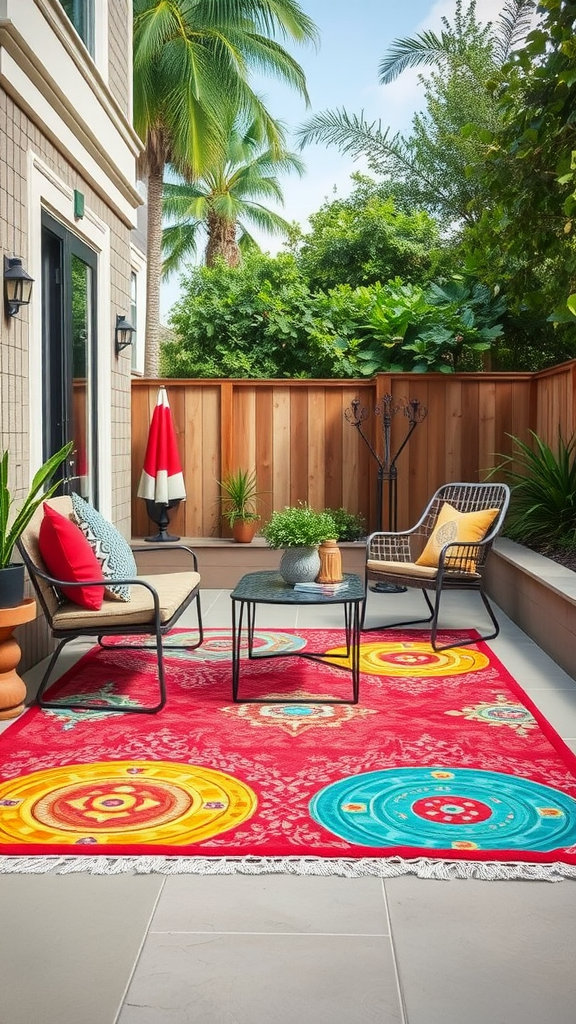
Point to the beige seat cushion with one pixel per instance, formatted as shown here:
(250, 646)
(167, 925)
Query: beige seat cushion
(172, 588)
(402, 569)
(422, 572)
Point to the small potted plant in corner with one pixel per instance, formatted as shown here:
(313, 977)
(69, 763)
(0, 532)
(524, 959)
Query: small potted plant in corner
(239, 504)
(299, 530)
(12, 527)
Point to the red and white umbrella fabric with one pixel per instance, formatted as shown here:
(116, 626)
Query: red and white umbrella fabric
(161, 480)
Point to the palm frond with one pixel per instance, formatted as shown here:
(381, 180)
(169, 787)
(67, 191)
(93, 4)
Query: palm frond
(423, 50)
(179, 243)
(350, 133)
(514, 22)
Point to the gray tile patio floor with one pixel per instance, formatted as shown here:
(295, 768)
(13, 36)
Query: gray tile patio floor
(151, 949)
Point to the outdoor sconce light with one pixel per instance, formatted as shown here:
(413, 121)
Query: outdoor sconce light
(123, 333)
(17, 285)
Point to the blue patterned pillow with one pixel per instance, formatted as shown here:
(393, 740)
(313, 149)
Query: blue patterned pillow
(111, 549)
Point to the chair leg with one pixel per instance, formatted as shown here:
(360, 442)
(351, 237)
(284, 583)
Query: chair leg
(397, 625)
(80, 705)
(45, 678)
(193, 647)
(465, 640)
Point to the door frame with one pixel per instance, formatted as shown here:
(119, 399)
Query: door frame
(58, 397)
(47, 191)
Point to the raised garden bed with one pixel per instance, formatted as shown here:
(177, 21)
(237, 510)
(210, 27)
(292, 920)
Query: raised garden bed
(539, 595)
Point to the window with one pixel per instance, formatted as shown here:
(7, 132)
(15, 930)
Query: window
(81, 14)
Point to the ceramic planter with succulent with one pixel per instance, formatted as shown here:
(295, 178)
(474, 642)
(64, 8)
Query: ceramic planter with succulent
(12, 526)
(240, 498)
(299, 530)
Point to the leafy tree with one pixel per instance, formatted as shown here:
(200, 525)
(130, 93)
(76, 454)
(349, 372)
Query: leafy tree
(405, 327)
(367, 238)
(526, 237)
(429, 168)
(226, 199)
(192, 60)
(254, 320)
(260, 319)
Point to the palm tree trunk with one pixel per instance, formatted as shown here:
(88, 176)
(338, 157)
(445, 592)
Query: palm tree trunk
(153, 272)
(222, 241)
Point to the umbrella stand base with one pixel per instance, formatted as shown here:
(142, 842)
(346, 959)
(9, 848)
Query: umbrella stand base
(159, 515)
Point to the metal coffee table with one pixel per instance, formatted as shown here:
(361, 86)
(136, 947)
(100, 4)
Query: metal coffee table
(269, 588)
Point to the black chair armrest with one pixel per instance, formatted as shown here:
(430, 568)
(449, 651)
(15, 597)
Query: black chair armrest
(167, 547)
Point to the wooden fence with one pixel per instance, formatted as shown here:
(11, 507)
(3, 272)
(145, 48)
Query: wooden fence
(296, 435)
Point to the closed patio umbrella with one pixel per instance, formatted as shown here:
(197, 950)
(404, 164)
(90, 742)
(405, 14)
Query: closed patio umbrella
(161, 481)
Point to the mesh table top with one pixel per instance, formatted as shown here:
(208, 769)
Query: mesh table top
(269, 588)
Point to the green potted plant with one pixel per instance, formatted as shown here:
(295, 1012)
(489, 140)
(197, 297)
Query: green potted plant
(239, 504)
(13, 526)
(299, 530)
(351, 526)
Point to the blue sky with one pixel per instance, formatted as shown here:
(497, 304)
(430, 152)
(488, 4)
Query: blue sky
(343, 72)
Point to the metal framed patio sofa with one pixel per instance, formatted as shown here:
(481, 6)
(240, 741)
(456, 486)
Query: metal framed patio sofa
(155, 605)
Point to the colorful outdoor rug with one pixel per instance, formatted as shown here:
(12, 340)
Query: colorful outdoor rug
(444, 768)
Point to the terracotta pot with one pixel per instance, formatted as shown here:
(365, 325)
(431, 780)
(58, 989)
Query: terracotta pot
(244, 529)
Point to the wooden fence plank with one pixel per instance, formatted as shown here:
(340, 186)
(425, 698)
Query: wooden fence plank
(300, 442)
(281, 447)
(264, 454)
(334, 425)
(316, 448)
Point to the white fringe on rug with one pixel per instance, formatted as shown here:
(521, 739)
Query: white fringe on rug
(380, 868)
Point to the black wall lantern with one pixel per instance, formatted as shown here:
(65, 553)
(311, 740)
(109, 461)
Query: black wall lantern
(17, 285)
(123, 335)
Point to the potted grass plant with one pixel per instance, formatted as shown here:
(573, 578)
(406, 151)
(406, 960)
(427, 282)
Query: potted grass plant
(299, 529)
(239, 507)
(13, 525)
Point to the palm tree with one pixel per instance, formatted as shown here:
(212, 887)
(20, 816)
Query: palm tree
(429, 168)
(226, 199)
(192, 60)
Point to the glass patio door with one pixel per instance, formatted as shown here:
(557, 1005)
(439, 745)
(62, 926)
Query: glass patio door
(69, 269)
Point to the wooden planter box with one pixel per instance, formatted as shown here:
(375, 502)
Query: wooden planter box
(222, 562)
(539, 595)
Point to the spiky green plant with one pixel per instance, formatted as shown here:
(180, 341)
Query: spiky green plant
(543, 482)
(240, 496)
(11, 532)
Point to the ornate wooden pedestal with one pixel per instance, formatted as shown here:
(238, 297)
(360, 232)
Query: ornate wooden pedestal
(12, 687)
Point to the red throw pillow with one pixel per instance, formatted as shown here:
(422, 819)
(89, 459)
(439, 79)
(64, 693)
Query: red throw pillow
(68, 556)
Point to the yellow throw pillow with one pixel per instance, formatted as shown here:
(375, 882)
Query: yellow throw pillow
(453, 527)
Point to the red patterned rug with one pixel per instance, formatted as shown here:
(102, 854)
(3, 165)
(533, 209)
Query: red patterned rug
(444, 767)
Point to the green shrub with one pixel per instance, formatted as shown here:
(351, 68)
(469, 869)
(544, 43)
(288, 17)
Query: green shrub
(350, 525)
(543, 504)
(298, 526)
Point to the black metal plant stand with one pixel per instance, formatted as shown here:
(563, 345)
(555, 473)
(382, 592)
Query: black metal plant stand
(387, 468)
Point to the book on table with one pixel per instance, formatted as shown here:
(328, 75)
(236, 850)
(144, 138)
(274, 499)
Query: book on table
(321, 588)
